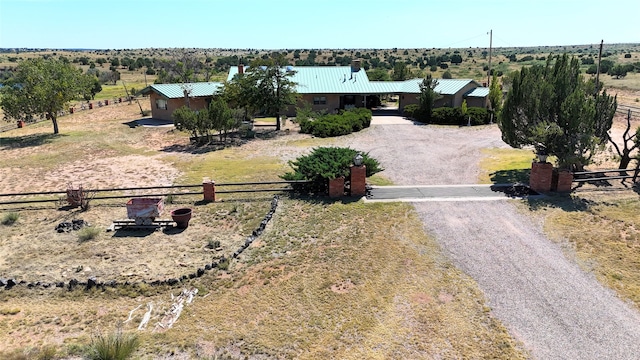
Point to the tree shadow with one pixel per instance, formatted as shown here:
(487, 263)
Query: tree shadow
(17, 142)
(566, 202)
(196, 149)
(513, 176)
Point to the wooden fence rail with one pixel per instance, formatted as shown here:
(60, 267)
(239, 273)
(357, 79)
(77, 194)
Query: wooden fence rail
(600, 175)
(255, 189)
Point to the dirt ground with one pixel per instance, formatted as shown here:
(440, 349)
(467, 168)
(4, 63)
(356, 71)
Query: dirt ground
(33, 251)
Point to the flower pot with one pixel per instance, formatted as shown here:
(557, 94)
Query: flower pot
(181, 217)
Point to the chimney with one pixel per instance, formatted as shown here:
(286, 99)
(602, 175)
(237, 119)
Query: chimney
(355, 65)
(241, 69)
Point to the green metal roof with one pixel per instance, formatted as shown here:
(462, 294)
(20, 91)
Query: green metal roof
(175, 91)
(341, 80)
(444, 86)
(332, 80)
(480, 92)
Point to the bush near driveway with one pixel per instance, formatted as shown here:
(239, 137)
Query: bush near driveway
(344, 123)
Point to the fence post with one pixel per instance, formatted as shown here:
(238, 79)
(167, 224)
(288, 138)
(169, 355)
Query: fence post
(209, 189)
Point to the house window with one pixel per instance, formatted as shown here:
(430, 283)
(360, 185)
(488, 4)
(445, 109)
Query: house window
(319, 100)
(161, 104)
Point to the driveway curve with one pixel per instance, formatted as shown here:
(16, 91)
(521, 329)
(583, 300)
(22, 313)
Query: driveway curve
(545, 300)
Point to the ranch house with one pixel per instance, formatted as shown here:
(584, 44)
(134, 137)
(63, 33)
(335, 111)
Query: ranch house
(166, 98)
(328, 88)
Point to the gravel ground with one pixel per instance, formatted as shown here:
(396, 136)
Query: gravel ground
(546, 301)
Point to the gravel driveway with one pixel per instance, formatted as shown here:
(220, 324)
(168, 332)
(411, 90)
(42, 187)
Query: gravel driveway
(548, 303)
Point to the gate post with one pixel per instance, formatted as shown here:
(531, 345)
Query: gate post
(358, 178)
(541, 176)
(562, 180)
(209, 189)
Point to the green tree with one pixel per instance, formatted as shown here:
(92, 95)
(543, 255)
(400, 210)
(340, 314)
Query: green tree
(495, 96)
(456, 59)
(42, 88)
(619, 71)
(427, 98)
(275, 90)
(552, 107)
(378, 74)
(447, 75)
(221, 117)
(400, 71)
(241, 93)
(96, 87)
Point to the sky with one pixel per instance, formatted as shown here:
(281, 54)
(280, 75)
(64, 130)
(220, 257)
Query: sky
(322, 24)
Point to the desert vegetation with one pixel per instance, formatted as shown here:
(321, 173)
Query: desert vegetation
(324, 279)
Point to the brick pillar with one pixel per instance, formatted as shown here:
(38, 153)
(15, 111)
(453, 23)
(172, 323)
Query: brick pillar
(358, 180)
(209, 188)
(541, 176)
(562, 180)
(336, 187)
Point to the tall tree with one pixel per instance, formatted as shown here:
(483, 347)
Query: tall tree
(275, 90)
(495, 96)
(42, 88)
(551, 106)
(427, 97)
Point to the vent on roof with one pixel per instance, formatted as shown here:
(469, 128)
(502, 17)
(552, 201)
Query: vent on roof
(289, 68)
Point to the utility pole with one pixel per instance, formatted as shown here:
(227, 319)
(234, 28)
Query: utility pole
(490, 45)
(598, 69)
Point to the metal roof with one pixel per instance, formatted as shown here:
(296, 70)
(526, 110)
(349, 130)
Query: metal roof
(175, 91)
(444, 86)
(332, 80)
(325, 80)
(480, 92)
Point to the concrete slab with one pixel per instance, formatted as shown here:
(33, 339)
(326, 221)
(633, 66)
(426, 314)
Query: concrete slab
(472, 192)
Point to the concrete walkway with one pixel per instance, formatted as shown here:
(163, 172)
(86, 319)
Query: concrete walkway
(420, 193)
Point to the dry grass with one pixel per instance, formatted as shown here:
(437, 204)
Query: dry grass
(339, 280)
(344, 281)
(603, 231)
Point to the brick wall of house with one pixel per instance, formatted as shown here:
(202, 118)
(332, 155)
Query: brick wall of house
(173, 104)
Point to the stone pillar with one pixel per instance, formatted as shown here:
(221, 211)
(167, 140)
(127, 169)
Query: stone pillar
(541, 176)
(358, 179)
(336, 187)
(209, 189)
(562, 180)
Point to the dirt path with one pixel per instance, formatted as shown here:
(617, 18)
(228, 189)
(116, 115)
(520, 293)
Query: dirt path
(554, 308)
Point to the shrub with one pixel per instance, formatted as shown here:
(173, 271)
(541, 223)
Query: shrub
(326, 163)
(411, 110)
(116, 346)
(479, 116)
(334, 125)
(88, 233)
(213, 244)
(10, 218)
(447, 116)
